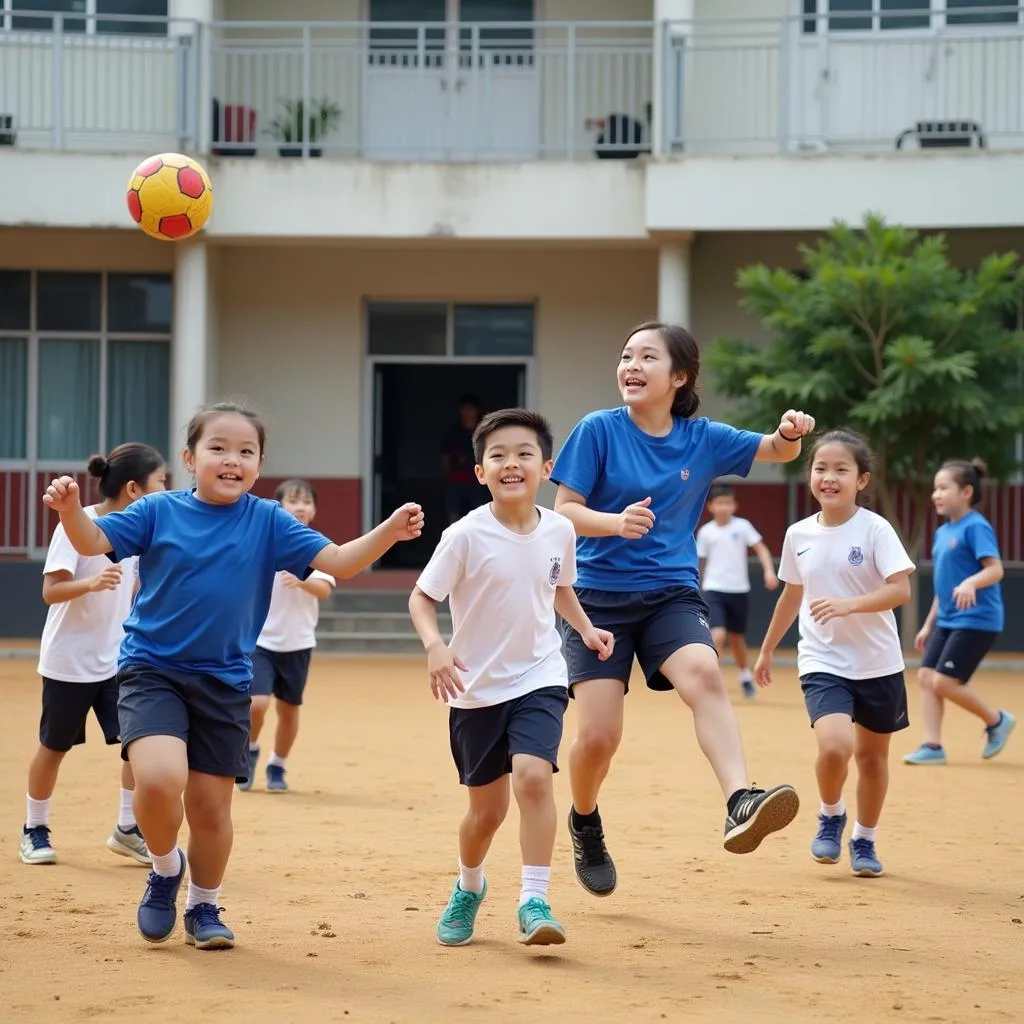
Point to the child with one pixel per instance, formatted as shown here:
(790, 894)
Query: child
(89, 599)
(207, 559)
(509, 567)
(633, 481)
(845, 570)
(722, 546)
(966, 615)
(280, 663)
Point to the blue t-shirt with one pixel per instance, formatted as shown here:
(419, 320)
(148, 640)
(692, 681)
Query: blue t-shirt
(957, 552)
(612, 463)
(205, 577)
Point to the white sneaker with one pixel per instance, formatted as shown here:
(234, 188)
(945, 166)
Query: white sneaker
(129, 844)
(35, 845)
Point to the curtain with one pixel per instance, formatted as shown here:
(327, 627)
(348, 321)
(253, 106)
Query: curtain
(69, 399)
(138, 393)
(13, 397)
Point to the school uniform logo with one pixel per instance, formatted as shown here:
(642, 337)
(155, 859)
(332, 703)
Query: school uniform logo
(555, 571)
(952, 543)
(856, 556)
(684, 474)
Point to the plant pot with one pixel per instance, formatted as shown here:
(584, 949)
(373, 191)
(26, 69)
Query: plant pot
(297, 151)
(233, 152)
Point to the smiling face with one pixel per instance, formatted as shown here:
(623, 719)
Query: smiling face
(227, 458)
(948, 497)
(301, 505)
(835, 477)
(513, 465)
(645, 376)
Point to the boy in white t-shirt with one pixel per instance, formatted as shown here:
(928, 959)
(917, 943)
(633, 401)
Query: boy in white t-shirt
(845, 571)
(508, 568)
(724, 544)
(284, 648)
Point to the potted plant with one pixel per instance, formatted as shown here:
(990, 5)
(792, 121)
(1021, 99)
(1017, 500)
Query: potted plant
(291, 127)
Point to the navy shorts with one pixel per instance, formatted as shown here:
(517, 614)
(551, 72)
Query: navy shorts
(651, 624)
(483, 740)
(957, 653)
(211, 716)
(878, 705)
(281, 673)
(66, 707)
(727, 611)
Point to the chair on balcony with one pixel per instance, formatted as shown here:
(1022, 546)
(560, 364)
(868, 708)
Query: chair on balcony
(7, 132)
(238, 125)
(944, 135)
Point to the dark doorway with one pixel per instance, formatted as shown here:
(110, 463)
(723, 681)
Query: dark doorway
(414, 406)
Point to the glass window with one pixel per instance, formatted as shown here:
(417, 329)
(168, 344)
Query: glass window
(41, 23)
(846, 23)
(139, 303)
(15, 300)
(905, 19)
(976, 17)
(68, 302)
(508, 39)
(13, 397)
(398, 46)
(810, 8)
(493, 330)
(138, 393)
(407, 329)
(149, 8)
(69, 399)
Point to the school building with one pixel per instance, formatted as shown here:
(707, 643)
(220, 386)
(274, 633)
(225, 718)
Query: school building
(415, 199)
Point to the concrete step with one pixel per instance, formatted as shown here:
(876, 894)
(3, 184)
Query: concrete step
(336, 621)
(369, 601)
(369, 643)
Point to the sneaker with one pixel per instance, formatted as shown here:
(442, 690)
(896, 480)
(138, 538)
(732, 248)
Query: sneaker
(595, 869)
(275, 779)
(749, 689)
(926, 755)
(157, 914)
(998, 734)
(827, 844)
(863, 860)
(537, 925)
(456, 925)
(254, 756)
(205, 930)
(129, 843)
(758, 813)
(35, 845)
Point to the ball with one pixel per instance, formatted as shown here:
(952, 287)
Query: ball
(170, 196)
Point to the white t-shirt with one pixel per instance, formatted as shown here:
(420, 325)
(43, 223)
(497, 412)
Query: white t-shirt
(292, 617)
(726, 550)
(845, 561)
(82, 638)
(502, 595)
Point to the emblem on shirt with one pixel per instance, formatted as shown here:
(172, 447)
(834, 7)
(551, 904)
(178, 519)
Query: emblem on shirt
(952, 543)
(684, 474)
(856, 556)
(555, 571)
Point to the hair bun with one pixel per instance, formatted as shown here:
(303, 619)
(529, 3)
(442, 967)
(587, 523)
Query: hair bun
(980, 466)
(98, 466)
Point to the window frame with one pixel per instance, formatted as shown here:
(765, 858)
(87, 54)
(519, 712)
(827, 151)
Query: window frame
(817, 24)
(92, 20)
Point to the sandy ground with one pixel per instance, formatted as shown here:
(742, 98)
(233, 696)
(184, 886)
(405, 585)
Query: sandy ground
(334, 888)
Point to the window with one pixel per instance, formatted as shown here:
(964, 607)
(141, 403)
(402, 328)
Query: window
(68, 421)
(988, 15)
(407, 329)
(493, 330)
(81, 16)
(437, 329)
(15, 300)
(138, 393)
(68, 302)
(13, 395)
(895, 15)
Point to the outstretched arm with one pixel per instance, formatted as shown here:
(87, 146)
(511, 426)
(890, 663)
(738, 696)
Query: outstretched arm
(784, 444)
(346, 560)
(86, 537)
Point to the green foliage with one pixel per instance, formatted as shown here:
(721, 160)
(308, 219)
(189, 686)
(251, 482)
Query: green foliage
(885, 336)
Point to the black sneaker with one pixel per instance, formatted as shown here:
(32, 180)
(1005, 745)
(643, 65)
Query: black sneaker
(758, 813)
(595, 870)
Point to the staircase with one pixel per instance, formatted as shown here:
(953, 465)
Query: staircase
(372, 622)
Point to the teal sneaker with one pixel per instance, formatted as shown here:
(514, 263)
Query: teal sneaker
(998, 734)
(456, 925)
(926, 755)
(537, 925)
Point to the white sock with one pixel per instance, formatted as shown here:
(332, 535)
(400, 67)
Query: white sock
(471, 879)
(126, 816)
(197, 895)
(834, 810)
(280, 762)
(745, 676)
(860, 832)
(535, 883)
(38, 812)
(167, 865)
(254, 748)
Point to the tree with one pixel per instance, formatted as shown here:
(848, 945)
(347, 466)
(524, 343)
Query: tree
(881, 333)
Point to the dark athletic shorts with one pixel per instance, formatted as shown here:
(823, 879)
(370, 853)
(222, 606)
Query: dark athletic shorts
(879, 705)
(728, 611)
(66, 707)
(650, 624)
(281, 673)
(483, 740)
(957, 653)
(208, 714)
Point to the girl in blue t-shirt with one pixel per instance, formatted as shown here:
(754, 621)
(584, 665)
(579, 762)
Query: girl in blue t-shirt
(633, 481)
(207, 560)
(966, 614)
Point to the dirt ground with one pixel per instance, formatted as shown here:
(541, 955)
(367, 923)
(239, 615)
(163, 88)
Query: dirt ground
(334, 888)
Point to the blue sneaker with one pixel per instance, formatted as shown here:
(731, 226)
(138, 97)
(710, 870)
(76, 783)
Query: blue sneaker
(275, 779)
(998, 734)
(537, 925)
(749, 689)
(926, 755)
(828, 843)
(254, 756)
(863, 861)
(456, 925)
(205, 930)
(157, 914)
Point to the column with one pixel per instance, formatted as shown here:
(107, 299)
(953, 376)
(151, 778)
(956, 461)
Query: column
(674, 281)
(191, 347)
(673, 19)
(194, 18)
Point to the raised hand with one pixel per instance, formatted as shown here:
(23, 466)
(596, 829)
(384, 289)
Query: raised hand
(406, 523)
(62, 494)
(795, 424)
